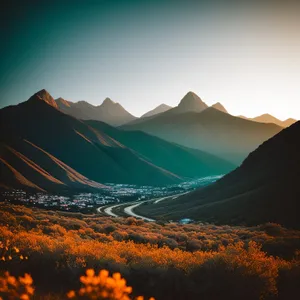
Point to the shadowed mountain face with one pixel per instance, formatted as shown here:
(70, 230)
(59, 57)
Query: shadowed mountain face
(157, 110)
(43, 149)
(265, 188)
(219, 107)
(25, 165)
(34, 133)
(211, 130)
(108, 112)
(185, 162)
(267, 118)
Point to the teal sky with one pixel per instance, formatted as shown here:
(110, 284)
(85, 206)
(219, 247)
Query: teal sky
(244, 54)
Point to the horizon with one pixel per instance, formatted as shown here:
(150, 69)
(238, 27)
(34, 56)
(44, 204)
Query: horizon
(116, 102)
(144, 54)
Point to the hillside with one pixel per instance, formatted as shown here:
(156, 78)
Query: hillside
(265, 188)
(108, 112)
(179, 160)
(176, 259)
(42, 147)
(211, 130)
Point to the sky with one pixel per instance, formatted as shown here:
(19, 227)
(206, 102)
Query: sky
(244, 54)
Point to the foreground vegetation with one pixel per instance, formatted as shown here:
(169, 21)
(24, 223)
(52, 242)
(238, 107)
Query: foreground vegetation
(166, 261)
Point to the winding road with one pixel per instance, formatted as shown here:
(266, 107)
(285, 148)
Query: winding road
(127, 208)
(129, 212)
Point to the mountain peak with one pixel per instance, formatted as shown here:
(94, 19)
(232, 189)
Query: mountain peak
(267, 118)
(191, 102)
(163, 105)
(108, 101)
(157, 110)
(44, 96)
(220, 107)
(61, 101)
(84, 103)
(190, 93)
(266, 115)
(289, 122)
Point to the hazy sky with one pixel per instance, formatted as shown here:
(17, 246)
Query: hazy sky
(244, 54)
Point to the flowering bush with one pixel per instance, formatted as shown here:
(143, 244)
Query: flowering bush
(16, 288)
(169, 262)
(9, 252)
(102, 286)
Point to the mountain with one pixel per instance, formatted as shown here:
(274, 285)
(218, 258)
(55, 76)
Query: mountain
(211, 130)
(41, 146)
(157, 110)
(43, 95)
(113, 113)
(24, 165)
(43, 149)
(108, 112)
(267, 118)
(288, 122)
(183, 161)
(189, 103)
(220, 107)
(265, 188)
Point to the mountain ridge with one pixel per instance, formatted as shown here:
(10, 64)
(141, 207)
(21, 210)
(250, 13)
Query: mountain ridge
(157, 110)
(211, 130)
(47, 145)
(220, 107)
(44, 95)
(268, 118)
(65, 138)
(265, 188)
(191, 102)
(109, 111)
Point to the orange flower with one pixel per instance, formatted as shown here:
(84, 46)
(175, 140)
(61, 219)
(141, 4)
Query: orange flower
(102, 286)
(13, 288)
(71, 294)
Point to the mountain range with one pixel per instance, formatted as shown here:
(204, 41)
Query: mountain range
(265, 188)
(108, 112)
(41, 148)
(114, 114)
(53, 146)
(267, 118)
(193, 124)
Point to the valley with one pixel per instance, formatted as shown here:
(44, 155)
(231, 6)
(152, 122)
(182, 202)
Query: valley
(150, 150)
(115, 200)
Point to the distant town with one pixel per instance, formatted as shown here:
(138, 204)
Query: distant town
(113, 193)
